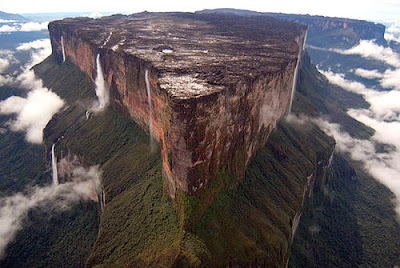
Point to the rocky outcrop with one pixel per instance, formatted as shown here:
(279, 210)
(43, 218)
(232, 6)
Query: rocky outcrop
(218, 84)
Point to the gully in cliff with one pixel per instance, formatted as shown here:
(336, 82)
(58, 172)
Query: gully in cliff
(296, 70)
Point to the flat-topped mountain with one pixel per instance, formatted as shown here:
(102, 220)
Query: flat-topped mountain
(322, 31)
(203, 50)
(209, 88)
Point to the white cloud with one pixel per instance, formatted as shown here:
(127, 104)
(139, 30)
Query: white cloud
(394, 28)
(94, 15)
(7, 28)
(386, 131)
(40, 48)
(25, 27)
(391, 37)
(383, 116)
(6, 80)
(358, 149)
(384, 167)
(368, 49)
(5, 52)
(6, 21)
(6, 59)
(370, 74)
(33, 26)
(353, 86)
(37, 44)
(392, 33)
(84, 185)
(385, 105)
(391, 79)
(28, 80)
(33, 112)
(39, 55)
(4, 63)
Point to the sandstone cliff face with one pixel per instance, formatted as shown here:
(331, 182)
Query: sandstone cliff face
(216, 90)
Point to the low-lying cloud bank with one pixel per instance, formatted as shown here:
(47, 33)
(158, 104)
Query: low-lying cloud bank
(24, 27)
(37, 44)
(383, 166)
(368, 49)
(6, 60)
(85, 184)
(393, 33)
(40, 50)
(369, 74)
(35, 110)
(383, 115)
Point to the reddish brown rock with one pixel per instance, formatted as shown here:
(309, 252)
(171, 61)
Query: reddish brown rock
(219, 83)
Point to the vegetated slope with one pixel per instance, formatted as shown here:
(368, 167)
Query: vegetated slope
(349, 223)
(47, 239)
(248, 223)
(315, 96)
(21, 163)
(253, 220)
(350, 220)
(137, 216)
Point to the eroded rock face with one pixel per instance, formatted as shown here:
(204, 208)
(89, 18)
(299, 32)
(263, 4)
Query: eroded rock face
(218, 84)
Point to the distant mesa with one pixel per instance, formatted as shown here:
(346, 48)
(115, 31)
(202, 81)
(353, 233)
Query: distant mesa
(8, 16)
(322, 31)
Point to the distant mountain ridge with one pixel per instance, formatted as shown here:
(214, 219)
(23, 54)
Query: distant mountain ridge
(9, 16)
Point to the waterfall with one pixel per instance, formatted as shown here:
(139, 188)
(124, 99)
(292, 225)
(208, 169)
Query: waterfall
(62, 48)
(101, 88)
(301, 49)
(146, 78)
(107, 39)
(54, 165)
(103, 200)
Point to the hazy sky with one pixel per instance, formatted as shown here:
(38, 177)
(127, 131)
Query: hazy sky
(361, 9)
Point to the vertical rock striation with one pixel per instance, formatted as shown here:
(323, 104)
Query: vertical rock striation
(217, 85)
